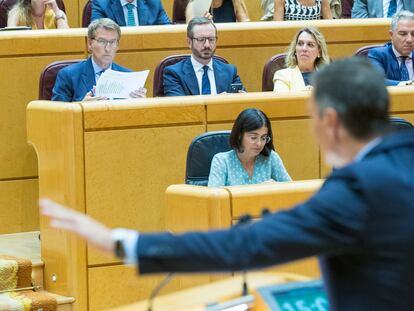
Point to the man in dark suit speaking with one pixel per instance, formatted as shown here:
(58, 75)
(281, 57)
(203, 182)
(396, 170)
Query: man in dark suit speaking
(395, 59)
(200, 73)
(360, 223)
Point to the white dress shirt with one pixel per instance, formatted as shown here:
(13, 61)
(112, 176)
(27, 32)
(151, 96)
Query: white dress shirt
(408, 62)
(124, 7)
(386, 5)
(199, 71)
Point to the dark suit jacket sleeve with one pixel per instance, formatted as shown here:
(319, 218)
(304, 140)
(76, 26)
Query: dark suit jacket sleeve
(236, 78)
(329, 223)
(63, 89)
(172, 83)
(378, 60)
(97, 10)
(163, 18)
(360, 9)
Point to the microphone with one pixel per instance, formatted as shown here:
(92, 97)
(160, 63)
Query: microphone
(157, 289)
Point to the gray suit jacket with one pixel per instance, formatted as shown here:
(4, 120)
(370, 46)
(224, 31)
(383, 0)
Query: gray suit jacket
(374, 8)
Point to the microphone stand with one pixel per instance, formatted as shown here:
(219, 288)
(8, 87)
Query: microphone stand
(157, 289)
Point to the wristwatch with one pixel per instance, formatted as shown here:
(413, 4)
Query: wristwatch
(60, 15)
(119, 249)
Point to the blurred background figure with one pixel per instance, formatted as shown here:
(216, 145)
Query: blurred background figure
(37, 14)
(222, 11)
(252, 159)
(306, 53)
(302, 10)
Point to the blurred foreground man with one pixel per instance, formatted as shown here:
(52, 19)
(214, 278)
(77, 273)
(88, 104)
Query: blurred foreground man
(360, 223)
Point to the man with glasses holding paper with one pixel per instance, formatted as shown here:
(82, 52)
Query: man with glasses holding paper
(201, 74)
(77, 82)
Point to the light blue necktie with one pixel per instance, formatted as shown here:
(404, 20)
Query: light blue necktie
(98, 75)
(392, 9)
(404, 70)
(205, 82)
(131, 18)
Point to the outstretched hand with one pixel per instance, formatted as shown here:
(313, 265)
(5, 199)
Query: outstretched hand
(82, 225)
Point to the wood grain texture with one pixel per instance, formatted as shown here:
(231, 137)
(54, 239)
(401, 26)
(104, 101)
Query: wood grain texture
(56, 132)
(18, 206)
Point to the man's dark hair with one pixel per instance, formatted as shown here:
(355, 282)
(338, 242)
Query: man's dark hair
(249, 120)
(356, 90)
(198, 21)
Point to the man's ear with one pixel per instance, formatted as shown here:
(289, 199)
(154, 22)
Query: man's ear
(89, 43)
(189, 42)
(331, 122)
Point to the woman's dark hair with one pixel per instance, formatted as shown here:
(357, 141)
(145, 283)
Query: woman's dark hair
(249, 120)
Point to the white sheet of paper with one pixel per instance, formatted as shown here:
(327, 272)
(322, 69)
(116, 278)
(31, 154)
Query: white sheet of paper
(200, 7)
(117, 84)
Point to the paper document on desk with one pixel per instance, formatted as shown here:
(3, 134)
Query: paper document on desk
(117, 84)
(200, 7)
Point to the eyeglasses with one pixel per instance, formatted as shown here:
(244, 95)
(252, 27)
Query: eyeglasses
(102, 42)
(256, 139)
(203, 40)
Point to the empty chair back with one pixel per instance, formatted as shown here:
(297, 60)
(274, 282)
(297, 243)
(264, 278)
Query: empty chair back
(200, 154)
(399, 124)
(86, 14)
(48, 77)
(274, 64)
(158, 85)
(365, 49)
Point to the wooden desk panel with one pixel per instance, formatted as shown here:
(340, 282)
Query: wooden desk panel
(212, 208)
(127, 171)
(21, 212)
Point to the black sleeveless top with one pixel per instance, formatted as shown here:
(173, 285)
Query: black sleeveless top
(225, 13)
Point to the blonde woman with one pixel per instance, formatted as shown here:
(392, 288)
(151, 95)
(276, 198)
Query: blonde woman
(306, 53)
(38, 14)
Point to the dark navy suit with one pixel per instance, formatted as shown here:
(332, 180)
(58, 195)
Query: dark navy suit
(180, 78)
(360, 223)
(150, 12)
(385, 60)
(74, 81)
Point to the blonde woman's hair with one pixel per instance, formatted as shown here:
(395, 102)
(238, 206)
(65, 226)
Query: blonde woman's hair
(291, 60)
(23, 9)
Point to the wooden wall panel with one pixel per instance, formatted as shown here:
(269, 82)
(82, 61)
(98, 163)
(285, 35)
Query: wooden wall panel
(134, 165)
(126, 286)
(17, 158)
(18, 206)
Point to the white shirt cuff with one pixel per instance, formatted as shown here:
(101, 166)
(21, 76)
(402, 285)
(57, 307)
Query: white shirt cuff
(129, 239)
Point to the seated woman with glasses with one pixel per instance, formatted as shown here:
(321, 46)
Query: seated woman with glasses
(252, 159)
(37, 14)
(306, 53)
(221, 11)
